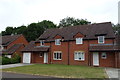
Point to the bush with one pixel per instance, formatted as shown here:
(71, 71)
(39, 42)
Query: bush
(15, 59)
(6, 60)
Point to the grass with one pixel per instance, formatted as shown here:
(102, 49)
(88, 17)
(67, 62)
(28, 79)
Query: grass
(63, 71)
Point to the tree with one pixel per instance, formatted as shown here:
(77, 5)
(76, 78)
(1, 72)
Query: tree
(32, 31)
(116, 29)
(8, 31)
(70, 21)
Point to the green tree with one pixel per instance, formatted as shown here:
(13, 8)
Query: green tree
(116, 29)
(70, 21)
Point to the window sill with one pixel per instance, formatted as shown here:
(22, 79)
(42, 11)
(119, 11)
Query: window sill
(57, 59)
(79, 60)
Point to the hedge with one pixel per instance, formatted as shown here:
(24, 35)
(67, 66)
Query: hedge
(15, 59)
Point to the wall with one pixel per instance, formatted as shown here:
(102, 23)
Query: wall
(21, 40)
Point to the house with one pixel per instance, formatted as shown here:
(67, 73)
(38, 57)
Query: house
(91, 45)
(12, 44)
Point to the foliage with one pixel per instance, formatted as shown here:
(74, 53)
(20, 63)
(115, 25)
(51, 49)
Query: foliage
(70, 21)
(6, 60)
(116, 29)
(15, 59)
(32, 31)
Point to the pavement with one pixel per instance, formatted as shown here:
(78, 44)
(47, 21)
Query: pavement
(12, 65)
(113, 73)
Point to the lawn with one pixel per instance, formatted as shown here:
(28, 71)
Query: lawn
(63, 71)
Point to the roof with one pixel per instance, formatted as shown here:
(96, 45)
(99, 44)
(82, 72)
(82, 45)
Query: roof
(89, 31)
(12, 49)
(31, 47)
(105, 48)
(6, 40)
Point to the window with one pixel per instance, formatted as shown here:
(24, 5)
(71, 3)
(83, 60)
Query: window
(79, 55)
(100, 39)
(41, 55)
(57, 42)
(41, 43)
(57, 55)
(104, 55)
(1, 47)
(79, 40)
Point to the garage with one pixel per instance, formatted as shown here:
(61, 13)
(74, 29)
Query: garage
(26, 57)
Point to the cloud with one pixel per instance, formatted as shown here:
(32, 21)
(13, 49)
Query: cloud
(18, 12)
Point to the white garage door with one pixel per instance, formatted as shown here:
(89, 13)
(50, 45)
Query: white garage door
(26, 57)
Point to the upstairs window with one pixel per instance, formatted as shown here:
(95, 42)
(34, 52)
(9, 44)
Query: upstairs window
(101, 39)
(79, 40)
(79, 55)
(57, 42)
(41, 43)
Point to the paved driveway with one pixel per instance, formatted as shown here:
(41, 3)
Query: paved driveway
(113, 72)
(13, 65)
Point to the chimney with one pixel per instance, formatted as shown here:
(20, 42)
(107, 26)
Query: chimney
(119, 12)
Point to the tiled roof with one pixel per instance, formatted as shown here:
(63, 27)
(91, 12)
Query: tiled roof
(12, 49)
(105, 48)
(31, 47)
(6, 40)
(89, 31)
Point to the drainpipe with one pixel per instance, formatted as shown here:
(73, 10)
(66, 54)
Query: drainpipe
(50, 53)
(68, 54)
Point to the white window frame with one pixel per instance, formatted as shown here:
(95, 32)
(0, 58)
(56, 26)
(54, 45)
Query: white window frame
(56, 42)
(103, 40)
(79, 40)
(78, 54)
(58, 54)
(9, 56)
(41, 42)
(1, 47)
(104, 53)
(41, 54)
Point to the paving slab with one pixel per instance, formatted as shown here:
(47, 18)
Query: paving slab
(113, 73)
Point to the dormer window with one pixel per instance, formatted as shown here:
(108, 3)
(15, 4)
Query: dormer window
(79, 40)
(57, 42)
(101, 39)
(42, 43)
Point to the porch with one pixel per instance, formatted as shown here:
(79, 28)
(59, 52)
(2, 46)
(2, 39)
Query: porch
(38, 54)
(104, 55)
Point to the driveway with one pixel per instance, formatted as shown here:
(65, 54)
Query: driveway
(113, 73)
(13, 65)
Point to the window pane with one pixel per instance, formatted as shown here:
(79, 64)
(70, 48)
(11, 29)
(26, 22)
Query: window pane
(79, 40)
(60, 55)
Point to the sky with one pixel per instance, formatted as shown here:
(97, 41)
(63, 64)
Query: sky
(23, 12)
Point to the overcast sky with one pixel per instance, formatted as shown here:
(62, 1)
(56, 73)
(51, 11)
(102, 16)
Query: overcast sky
(18, 12)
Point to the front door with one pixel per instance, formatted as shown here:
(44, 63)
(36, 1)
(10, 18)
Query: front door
(95, 59)
(45, 57)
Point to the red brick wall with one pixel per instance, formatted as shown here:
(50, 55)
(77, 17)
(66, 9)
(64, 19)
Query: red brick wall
(21, 40)
(109, 62)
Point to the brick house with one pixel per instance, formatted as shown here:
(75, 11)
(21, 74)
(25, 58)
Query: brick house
(12, 44)
(91, 45)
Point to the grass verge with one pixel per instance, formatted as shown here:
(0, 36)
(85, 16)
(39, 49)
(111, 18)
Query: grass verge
(63, 71)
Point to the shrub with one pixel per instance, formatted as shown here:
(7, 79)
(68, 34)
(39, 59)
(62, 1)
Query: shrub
(6, 60)
(16, 59)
